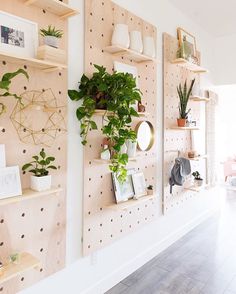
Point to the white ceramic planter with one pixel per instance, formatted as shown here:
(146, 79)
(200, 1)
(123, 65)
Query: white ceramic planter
(41, 183)
(51, 41)
(136, 42)
(120, 35)
(131, 148)
(198, 183)
(149, 47)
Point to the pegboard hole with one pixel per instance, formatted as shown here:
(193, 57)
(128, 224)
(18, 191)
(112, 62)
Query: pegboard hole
(2, 243)
(1, 289)
(41, 250)
(2, 221)
(22, 279)
(22, 236)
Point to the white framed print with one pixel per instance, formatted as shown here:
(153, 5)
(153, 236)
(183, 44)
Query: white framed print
(10, 184)
(123, 191)
(2, 156)
(139, 183)
(19, 36)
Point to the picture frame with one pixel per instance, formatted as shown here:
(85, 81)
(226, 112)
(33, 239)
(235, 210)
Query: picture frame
(18, 36)
(189, 38)
(139, 183)
(123, 191)
(10, 183)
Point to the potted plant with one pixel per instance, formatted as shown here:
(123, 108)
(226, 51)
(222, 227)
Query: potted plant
(116, 93)
(150, 190)
(39, 167)
(184, 94)
(198, 181)
(5, 83)
(51, 36)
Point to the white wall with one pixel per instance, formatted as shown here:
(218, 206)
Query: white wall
(102, 270)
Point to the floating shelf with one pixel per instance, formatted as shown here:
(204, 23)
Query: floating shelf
(29, 194)
(11, 270)
(104, 161)
(101, 112)
(185, 128)
(198, 158)
(196, 189)
(57, 7)
(135, 56)
(190, 66)
(199, 99)
(128, 204)
(43, 65)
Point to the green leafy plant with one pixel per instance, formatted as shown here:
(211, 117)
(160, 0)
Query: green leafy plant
(184, 94)
(51, 31)
(196, 175)
(5, 83)
(116, 93)
(40, 165)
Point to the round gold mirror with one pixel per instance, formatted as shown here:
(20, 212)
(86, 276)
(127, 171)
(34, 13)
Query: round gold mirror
(145, 135)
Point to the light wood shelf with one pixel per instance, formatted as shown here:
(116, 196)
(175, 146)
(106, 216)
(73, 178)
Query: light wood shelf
(185, 128)
(199, 99)
(29, 194)
(130, 203)
(101, 112)
(43, 65)
(56, 7)
(125, 52)
(196, 189)
(198, 158)
(190, 66)
(11, 270)
(104, 161)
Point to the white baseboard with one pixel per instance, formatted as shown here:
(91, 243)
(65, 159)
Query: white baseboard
(128, 268)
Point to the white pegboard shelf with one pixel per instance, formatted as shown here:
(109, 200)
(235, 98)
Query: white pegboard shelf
(198, 158)
(176, 128)
(101, 112)
(26, 263)
(188, 65)
(56, 7)
(30, 194)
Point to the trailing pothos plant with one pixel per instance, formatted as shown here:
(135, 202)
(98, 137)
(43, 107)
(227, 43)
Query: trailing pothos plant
(5, 83)
(116, 93)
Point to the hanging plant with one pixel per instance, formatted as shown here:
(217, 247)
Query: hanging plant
(116, 93)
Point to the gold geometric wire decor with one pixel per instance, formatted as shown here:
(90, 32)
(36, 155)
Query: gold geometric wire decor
(38, 119)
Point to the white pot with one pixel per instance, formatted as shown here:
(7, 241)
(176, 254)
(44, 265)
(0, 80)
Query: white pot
(123, 149)
(51, 41)
(120, 35)
(131, 148)
(198, 183)
(149, 47)
(41, 183)
(196, 90)
(136, 42)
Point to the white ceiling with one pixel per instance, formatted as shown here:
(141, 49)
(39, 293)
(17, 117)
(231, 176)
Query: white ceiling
(218, 17)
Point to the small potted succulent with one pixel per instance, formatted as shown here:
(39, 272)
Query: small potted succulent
(198, 181)
(39, 167)
(150, 190)
(51, 36)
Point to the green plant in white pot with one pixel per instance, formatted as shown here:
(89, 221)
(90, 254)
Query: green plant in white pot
(198, 181)
(40, 167)
(51, 36)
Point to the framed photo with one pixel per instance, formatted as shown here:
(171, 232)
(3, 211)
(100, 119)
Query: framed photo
(124, 191)
(139, 183)
(19, 36)
(190, 39)
(10, 184)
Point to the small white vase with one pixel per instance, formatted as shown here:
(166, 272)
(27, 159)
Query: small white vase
(123, 149)
(131, 148)
(196, 90)
(105, 154)
(41, 183)
(136, 42)
(51, 41)
(149, 47)
(120, 35)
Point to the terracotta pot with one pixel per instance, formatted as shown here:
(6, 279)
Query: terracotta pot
(181, 122)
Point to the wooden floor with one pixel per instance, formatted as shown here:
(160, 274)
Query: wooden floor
(203, 261)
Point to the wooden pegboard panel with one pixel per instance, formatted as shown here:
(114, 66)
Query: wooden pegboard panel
(174, 139)
(103, 225)
(37, 226)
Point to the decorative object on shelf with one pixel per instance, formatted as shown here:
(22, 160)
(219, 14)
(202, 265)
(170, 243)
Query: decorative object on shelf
(149, 47)
(14, 258)
(105, 154)
(123, 149)
(2, 156)
(131, 148)
(51, 36)
(188, 42)
(40, 167)
(50, 121)
(180, 170)
(116, 93)
(123, 191)
(141, 107)
(139, 183)
(192, 154)
(198, 181)
(19, 36)
(196, 90)
(145, 135)
(150, 190)
(120, 35)
(51, 54)
(136, 42)
(10, 182)
(5, 86)
(1, 269)
(184, 94)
